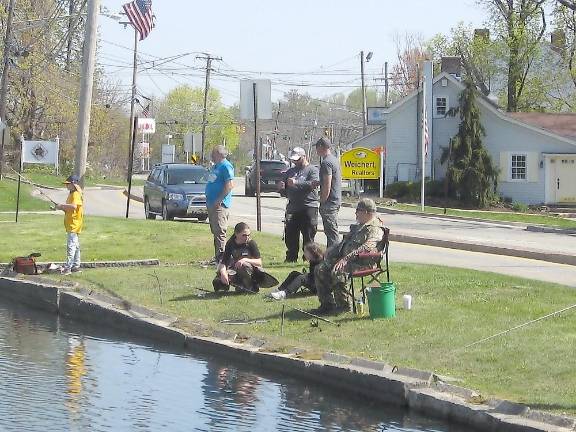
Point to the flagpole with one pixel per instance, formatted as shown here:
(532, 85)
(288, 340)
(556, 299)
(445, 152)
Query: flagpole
(423, 161)
(132, 101)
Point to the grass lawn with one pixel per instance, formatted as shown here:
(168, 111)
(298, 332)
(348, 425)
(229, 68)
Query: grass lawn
(8, 190)
(528, 219)
(452, 307)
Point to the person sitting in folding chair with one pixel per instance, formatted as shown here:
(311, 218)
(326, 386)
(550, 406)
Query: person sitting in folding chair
(341, 259)
(241, 264)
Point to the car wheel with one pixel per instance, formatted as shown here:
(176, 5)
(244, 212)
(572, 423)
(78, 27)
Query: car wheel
(147, 212)
(202, 218)
(165, 214)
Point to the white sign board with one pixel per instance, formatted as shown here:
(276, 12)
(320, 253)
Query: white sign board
(40, 152)
(376, 115)
(168, 153)
(146, 125)
(143, 150)
(189, 142)
(263, 98)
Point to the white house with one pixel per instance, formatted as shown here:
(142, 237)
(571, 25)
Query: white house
(536, 152)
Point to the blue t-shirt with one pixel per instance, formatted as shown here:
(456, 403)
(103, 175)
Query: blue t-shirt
(222, 172)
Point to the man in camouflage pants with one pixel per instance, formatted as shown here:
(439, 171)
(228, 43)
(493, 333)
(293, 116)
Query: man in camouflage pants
(342, 258)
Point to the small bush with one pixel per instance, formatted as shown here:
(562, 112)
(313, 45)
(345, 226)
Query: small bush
(519, 207)
(397, 190)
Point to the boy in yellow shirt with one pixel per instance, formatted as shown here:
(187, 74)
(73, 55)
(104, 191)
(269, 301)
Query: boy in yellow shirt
(73, 220)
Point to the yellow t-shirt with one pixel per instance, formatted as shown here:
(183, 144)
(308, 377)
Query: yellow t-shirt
(73, 219)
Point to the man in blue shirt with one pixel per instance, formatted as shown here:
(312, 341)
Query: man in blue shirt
(219, 198)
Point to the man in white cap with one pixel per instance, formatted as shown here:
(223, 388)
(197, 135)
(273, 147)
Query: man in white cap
(299, 186)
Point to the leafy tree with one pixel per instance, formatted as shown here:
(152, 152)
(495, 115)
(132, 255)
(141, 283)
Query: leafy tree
(520, 26)
(471, 171)
(181, 110)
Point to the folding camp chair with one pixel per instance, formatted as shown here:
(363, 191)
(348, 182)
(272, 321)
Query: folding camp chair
(371, 272)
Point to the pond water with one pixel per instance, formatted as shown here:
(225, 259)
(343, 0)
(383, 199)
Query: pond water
(58, 375)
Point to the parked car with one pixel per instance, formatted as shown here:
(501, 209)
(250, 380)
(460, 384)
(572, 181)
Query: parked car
(271, 172)
(176, 190)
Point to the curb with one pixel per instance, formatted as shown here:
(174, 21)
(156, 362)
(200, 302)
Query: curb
(496, 250)
(101, 264)
(475, 247)
(409, 388)
(535, 228)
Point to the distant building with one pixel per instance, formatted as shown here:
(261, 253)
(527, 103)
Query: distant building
(536, 152)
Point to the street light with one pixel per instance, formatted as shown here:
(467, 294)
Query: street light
(368, 57)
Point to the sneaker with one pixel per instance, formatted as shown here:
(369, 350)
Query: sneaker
(64, 271)
(76, 270)
(278, 295)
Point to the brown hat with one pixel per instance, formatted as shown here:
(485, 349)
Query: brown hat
(367, 205)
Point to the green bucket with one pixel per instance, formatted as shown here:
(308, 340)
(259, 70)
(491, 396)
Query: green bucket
(382, 300)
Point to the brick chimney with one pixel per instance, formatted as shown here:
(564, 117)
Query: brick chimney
(451, 65)
(558, 41)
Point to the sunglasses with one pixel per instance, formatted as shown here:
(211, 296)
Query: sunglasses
(245, 235)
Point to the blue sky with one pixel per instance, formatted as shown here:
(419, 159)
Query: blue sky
(290, 42)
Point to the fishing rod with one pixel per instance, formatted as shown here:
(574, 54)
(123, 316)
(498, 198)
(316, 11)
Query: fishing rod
(32, 183)
(521, 325)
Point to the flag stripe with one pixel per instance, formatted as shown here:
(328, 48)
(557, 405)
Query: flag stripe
(140, 15)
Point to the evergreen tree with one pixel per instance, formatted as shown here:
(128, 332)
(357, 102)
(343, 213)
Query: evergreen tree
(471, 171)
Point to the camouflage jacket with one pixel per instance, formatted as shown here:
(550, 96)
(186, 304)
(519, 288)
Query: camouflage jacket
(361, 238)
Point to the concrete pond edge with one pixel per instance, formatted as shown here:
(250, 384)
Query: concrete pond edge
(420, 391)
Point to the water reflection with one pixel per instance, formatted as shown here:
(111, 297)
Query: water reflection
(56, 375)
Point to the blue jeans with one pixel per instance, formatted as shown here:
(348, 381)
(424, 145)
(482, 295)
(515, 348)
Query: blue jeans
(72, 251)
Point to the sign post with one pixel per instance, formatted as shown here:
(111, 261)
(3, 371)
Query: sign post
(255, 102)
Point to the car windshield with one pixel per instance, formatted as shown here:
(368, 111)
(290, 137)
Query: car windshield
(271, 165)
(188, 176)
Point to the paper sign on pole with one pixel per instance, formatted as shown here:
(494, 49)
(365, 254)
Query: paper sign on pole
(263, 97)
(146, 125)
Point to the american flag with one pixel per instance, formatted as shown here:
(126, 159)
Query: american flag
(425, 132)
(146, 111)
(140, 15)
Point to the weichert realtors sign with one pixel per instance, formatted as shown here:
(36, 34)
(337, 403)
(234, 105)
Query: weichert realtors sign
(360, 163)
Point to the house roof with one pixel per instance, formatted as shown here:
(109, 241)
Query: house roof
(556, 126)
(560, 124)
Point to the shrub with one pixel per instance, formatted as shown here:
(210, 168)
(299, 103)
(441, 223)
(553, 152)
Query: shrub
(519, 207)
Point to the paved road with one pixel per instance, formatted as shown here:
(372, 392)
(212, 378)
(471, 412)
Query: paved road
(111, 202)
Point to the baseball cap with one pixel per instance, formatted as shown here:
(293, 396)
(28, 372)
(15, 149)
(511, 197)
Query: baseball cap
(74, 179)
(367, 205)
(324, 142)
(296, 153)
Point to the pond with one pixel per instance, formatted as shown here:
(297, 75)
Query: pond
(59, 375)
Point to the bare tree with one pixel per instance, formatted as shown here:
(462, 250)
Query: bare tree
(410, 53)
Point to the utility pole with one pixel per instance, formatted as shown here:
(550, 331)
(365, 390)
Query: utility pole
(368, 57)
(4, 82)
(386, 84)
(208, 59)
(132, 99)
(86, 85)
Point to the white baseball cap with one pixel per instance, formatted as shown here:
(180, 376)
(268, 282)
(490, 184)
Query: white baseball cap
(296, 153)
